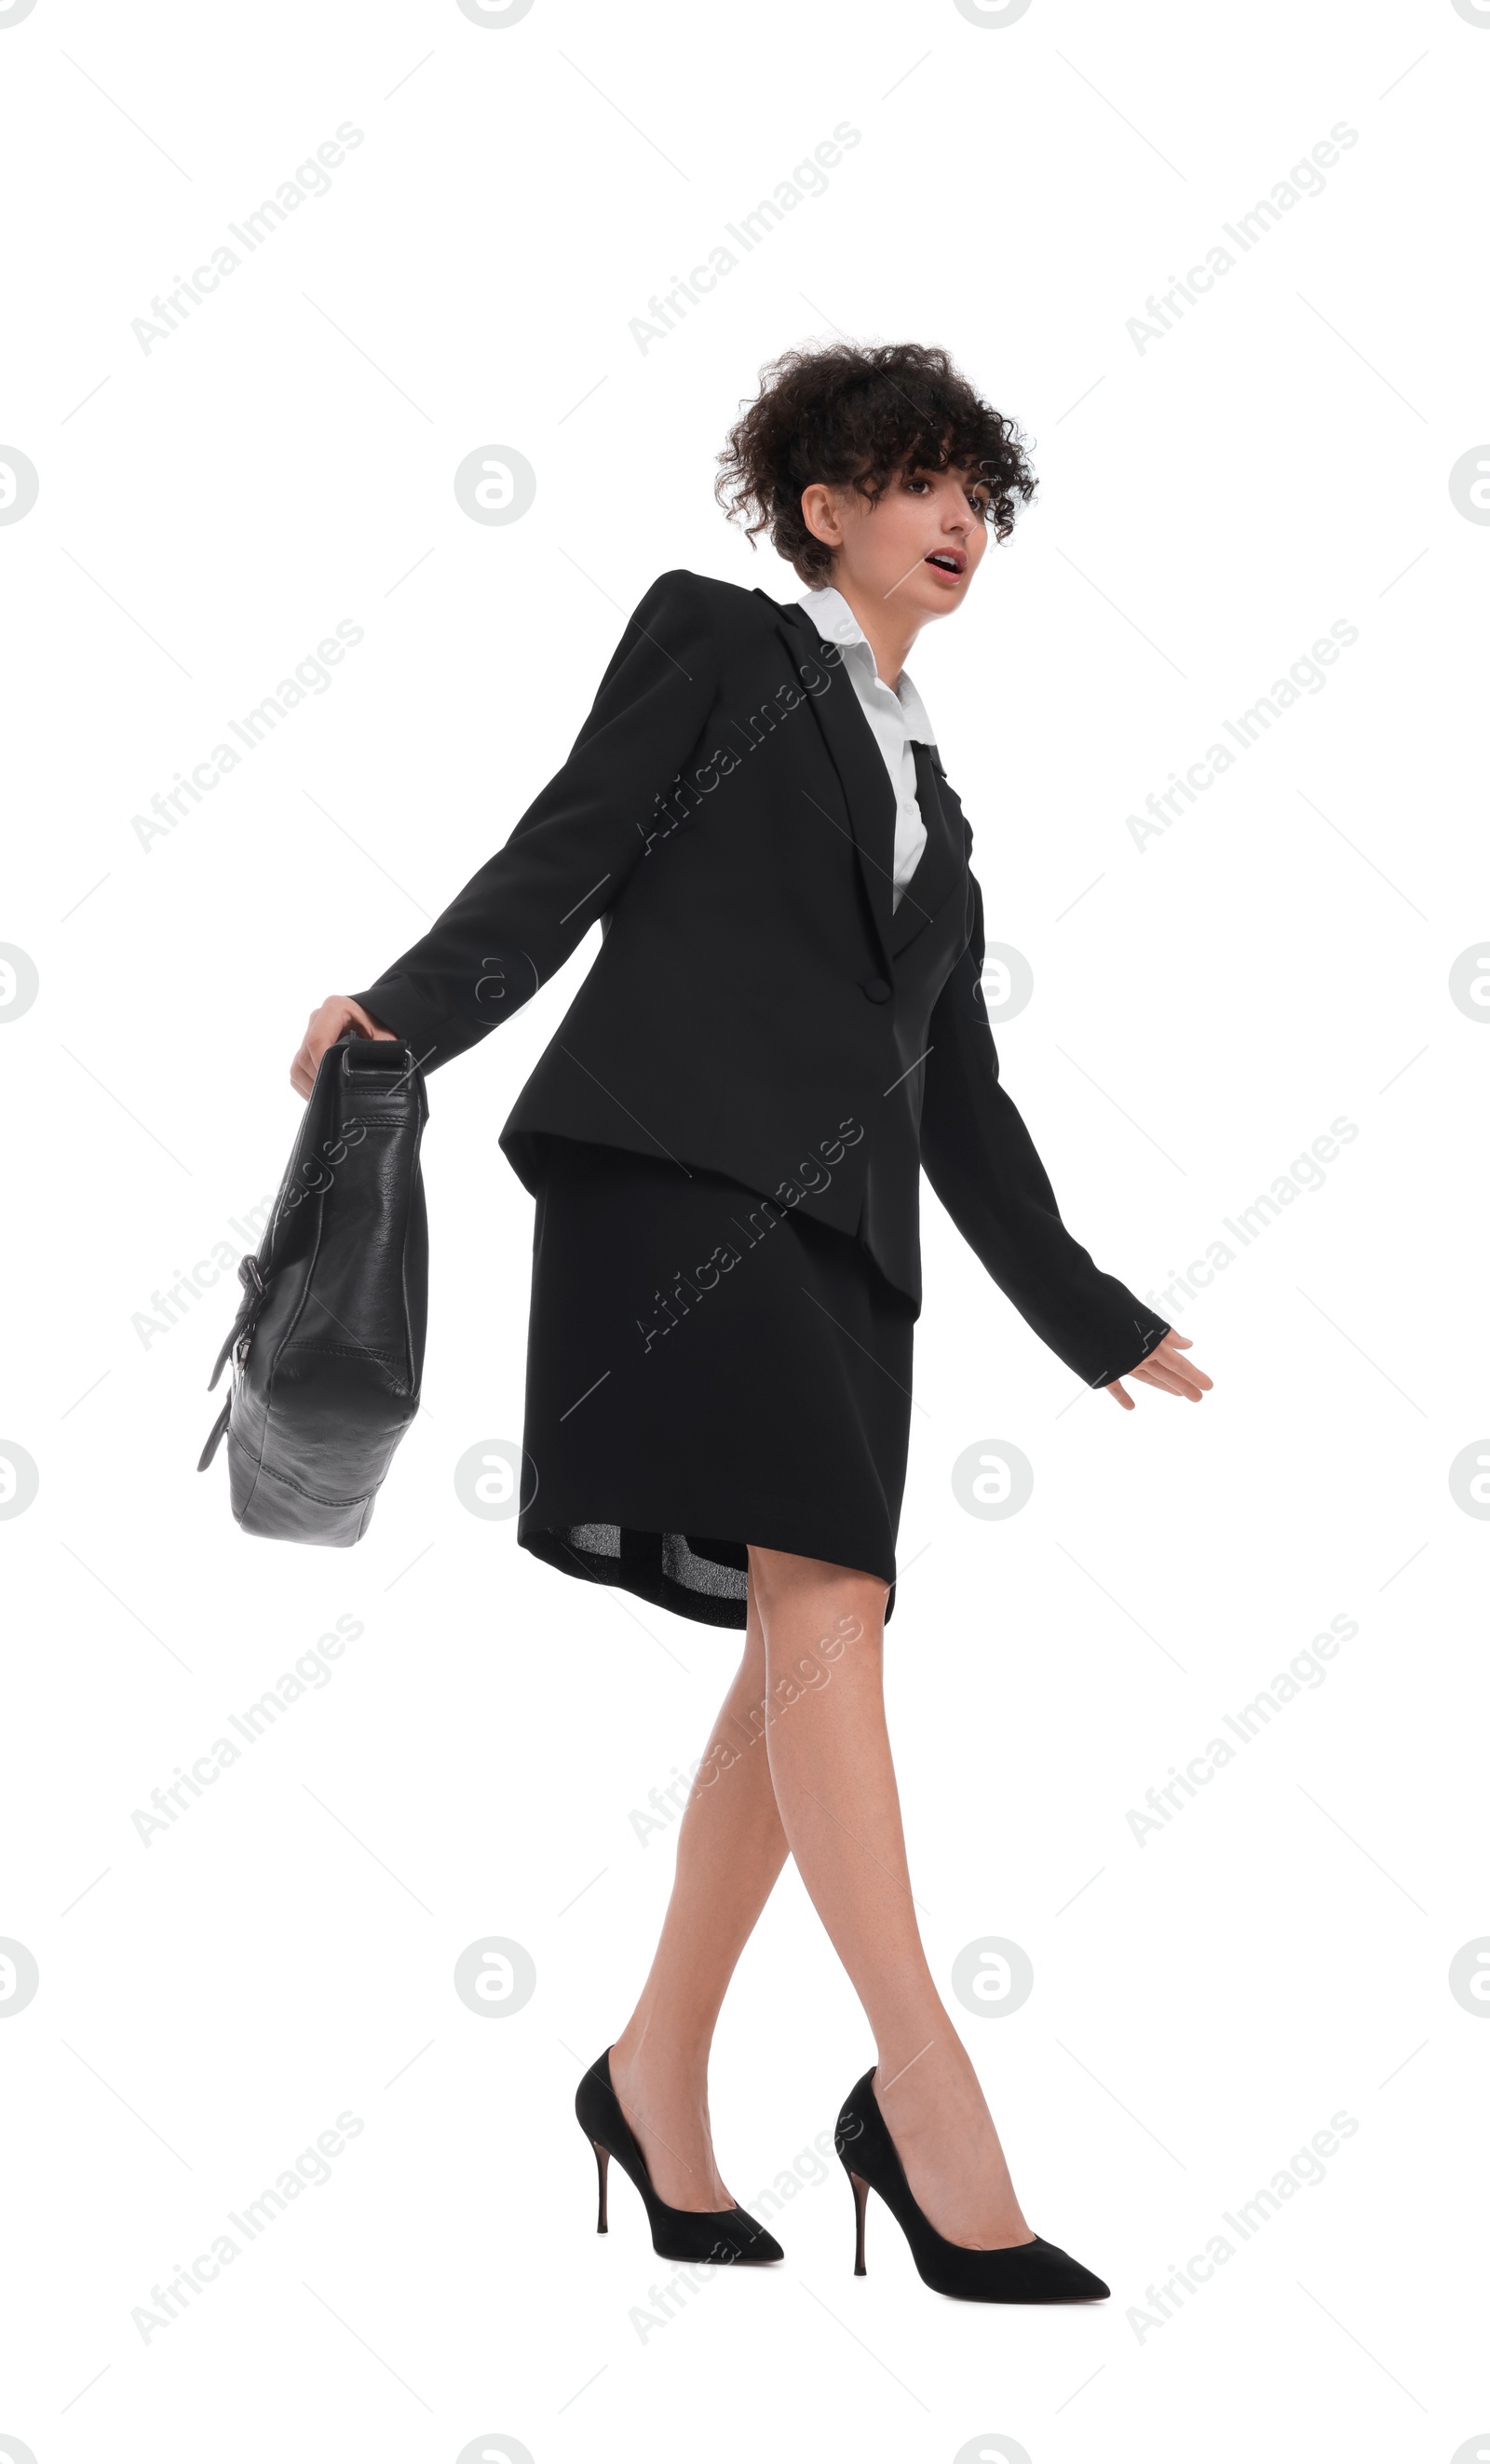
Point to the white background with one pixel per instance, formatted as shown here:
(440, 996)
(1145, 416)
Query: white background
(1203, 1009)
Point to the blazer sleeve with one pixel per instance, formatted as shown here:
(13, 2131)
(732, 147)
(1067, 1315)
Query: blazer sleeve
(981, 1161)
(567, 859)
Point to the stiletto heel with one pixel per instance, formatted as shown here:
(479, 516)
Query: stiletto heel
(860, 2202)
(714, 2236)
(1031, 2271)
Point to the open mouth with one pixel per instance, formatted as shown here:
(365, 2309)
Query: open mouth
(947, 560)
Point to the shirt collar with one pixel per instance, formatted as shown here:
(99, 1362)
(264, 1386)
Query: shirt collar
(836, 622)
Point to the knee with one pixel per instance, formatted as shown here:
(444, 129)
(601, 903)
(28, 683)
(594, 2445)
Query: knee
(839, 1595)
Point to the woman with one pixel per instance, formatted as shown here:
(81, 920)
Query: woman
(783, 1022)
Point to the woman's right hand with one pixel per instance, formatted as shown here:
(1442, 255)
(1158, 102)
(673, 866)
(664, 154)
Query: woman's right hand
(326, 1025)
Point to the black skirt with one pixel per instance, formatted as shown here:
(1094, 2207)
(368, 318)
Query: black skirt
(706, 1369)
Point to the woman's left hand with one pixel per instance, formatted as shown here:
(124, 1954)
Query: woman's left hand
(1164, 1367)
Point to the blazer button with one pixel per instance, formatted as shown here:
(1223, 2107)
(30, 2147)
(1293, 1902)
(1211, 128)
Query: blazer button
(877, 989)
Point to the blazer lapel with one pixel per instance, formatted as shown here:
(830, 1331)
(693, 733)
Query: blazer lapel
(867, 794)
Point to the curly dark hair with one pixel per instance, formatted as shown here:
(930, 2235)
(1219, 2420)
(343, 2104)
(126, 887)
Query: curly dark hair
(856, 416)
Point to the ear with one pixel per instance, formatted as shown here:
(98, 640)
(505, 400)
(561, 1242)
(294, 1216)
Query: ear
(819, 511)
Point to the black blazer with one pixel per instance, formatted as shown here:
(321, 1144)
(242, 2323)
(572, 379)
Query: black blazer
(756, 1008)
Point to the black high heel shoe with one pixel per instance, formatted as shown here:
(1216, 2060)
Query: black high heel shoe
(716, 2236)
(1031, 2271)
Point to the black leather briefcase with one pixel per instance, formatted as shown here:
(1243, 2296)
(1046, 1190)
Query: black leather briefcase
(328, 1345)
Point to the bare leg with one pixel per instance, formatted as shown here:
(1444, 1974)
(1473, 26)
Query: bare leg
(836, 1792)
(731, 1849)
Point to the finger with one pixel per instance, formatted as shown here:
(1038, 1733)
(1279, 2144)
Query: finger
(1161, 1357)
(1154, 1372)
(1120, 1395)
(1171, 1381)
(368, 1025)
(1162, 1373)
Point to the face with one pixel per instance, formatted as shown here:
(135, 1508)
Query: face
(916, 550)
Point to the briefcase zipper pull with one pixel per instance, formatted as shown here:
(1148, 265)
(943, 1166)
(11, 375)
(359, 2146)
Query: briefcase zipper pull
(242, 1328)
(214, 1441)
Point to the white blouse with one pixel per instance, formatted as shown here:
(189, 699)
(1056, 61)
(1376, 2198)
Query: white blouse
(896, 714)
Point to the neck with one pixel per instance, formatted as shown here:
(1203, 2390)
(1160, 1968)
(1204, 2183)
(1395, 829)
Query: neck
(889, 631)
